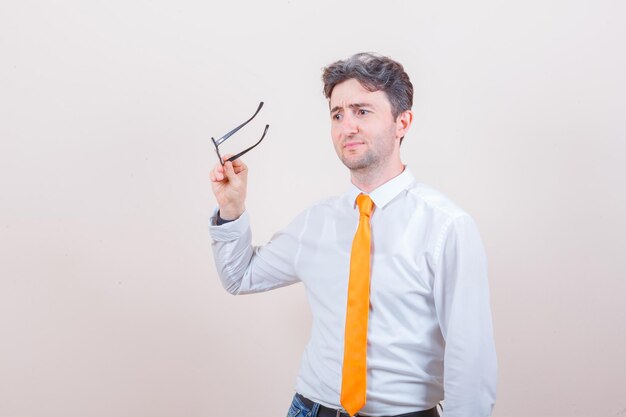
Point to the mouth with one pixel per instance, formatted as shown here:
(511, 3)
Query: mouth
(353, 144)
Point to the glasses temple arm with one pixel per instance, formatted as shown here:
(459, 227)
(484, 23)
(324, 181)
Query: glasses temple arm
(232, 158)
(232, 132)
(217, 150)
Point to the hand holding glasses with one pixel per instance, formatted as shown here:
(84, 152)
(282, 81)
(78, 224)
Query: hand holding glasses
(221, 140)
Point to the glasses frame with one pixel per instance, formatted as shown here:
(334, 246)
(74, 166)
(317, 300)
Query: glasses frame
(223, 139)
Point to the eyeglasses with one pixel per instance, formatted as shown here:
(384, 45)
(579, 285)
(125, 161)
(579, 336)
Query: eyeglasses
(221, 140)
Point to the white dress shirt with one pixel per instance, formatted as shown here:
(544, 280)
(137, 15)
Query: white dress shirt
(430, 335)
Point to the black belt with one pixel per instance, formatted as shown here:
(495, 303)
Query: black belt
(331, 412)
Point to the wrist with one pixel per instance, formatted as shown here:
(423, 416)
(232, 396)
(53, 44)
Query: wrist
(220, 221)
(228, 214)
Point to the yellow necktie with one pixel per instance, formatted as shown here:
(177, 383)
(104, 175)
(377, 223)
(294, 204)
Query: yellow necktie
(353, 382)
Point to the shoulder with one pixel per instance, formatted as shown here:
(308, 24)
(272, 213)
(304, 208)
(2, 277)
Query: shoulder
(320, 210)
(436, 202)
(448, 221)
(327, 204)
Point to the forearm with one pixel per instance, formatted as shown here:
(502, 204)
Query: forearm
(244, 268)
(463, 307)
(232, 250)
(470, 370)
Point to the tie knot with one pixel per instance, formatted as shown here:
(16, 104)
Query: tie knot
(365, 204)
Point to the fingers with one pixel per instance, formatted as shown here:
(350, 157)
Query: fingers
(229, 183)
(217, 174)
(229, 170)
(238, 164)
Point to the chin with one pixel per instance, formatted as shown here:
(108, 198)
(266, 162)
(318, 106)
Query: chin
(356, 164)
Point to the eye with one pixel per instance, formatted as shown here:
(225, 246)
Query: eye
(337, 116)
(363, 112)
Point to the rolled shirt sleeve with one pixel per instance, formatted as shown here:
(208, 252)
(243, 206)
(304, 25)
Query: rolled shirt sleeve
(461, 294)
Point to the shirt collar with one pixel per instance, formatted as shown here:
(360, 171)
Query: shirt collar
(386, 192)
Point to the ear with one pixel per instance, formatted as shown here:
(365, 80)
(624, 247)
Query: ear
(403, 123)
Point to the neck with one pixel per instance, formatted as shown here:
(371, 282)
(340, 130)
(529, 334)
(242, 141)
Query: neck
(370, 178)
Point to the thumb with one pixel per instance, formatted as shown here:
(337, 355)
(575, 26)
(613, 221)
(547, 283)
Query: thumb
(230, 171)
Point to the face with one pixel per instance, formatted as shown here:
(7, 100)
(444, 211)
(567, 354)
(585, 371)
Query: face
(365, 134)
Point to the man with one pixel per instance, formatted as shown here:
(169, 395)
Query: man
(395, 272)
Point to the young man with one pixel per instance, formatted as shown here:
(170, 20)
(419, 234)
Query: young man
(395, 272)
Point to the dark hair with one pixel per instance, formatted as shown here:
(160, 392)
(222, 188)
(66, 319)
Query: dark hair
(375, 73)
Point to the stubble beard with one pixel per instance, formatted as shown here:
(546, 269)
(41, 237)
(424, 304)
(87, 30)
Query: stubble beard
(364, 162)
(368, 163)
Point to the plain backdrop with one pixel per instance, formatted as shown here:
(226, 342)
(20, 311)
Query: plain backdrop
(109, 300)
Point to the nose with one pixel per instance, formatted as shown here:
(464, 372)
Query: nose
(349, 125)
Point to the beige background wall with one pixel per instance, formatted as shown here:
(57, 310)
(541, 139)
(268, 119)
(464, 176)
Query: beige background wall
(109, 301)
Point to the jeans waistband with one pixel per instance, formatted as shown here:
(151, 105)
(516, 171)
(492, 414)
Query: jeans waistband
(331, 412)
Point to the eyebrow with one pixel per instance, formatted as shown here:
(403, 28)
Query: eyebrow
(351, 106)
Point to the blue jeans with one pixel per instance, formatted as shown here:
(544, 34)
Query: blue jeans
(297, 409)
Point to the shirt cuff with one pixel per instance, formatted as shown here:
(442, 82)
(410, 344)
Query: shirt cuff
(231, 229)
(219, 221)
